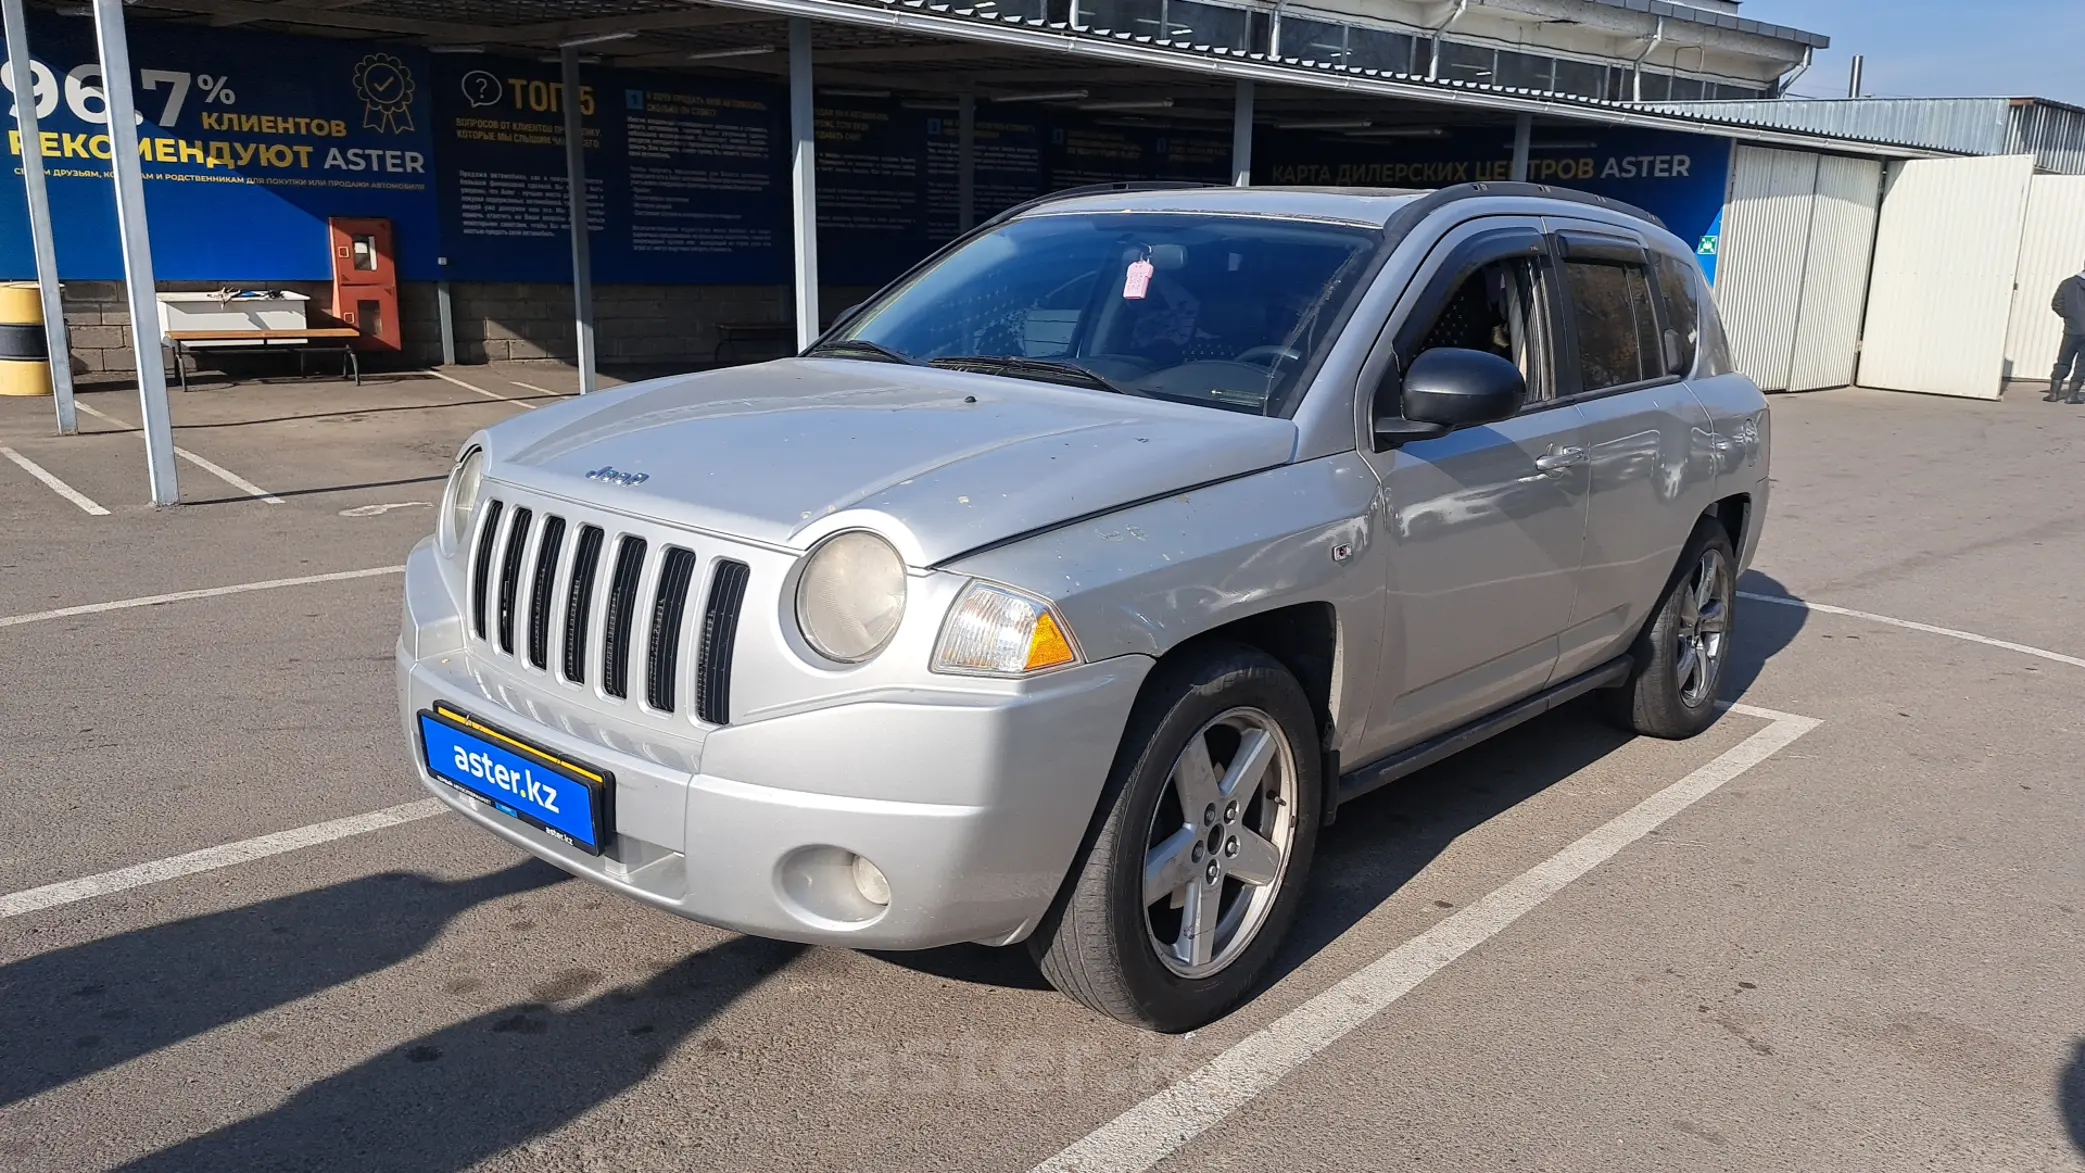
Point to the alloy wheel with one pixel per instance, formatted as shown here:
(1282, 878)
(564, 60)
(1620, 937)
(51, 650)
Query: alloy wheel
(1220, 842)
(1704, 627)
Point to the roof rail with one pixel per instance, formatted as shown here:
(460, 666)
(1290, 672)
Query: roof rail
(1093, 189)
(1463, 191)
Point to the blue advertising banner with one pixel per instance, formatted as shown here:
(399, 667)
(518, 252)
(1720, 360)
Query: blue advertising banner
(500, 148)
(1093, 151)
(684, 177)
(872, 190)
(707, 190)
(1680, 178)
(1006, 169)
(250, 142)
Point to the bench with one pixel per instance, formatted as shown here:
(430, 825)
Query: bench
(781, 337)
(341, 338)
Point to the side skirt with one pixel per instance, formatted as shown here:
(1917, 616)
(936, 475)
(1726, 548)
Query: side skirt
(1383, 771)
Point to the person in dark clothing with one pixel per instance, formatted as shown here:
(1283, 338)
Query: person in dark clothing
(2069, 304)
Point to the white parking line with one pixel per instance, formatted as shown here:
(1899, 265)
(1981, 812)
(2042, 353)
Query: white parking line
(536, 389)
(204, 593)
(446, 377)
(1909, 625)
(1162, 1124)
(53, 483)
(212, 858)
(227, 476)
(217, 470)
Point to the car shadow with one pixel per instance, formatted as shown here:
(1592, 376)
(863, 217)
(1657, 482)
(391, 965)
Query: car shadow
(1381, 841)
(454, 1098)
(74, 1011)
(2070, 1097)
(1765, 631)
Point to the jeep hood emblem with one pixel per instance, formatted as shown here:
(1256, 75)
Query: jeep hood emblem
(608, 474)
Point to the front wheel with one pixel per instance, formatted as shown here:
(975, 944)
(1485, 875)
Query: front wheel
(1191, 877)
(1681, 654)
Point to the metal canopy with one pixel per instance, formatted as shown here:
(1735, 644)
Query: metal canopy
(943, 51)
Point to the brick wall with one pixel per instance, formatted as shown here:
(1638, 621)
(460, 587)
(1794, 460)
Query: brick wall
(97, 318)
(637, 325)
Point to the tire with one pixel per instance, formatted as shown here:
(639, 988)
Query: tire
(1683, 651)
(1102, 944)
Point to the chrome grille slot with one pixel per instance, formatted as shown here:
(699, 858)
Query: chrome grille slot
(622, 613)
(727, 594)
(542, 583)
(579, 605)
(641, 623)
(510, 576)
(481, 566)
(663, 652)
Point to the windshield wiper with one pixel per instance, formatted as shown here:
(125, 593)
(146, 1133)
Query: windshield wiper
(1049, 370)
(862, 348)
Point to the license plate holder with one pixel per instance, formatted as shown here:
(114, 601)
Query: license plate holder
(568, 800)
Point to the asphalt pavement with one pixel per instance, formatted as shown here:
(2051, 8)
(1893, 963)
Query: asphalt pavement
(1841, 930)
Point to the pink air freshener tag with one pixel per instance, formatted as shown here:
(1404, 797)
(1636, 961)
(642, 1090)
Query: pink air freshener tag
(1137, 282)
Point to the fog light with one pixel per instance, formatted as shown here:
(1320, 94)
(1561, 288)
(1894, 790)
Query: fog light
(870, 882)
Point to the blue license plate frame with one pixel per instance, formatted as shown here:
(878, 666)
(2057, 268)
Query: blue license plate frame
(570, 801)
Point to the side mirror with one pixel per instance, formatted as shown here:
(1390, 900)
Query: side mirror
(1448, 389)
(844, 316)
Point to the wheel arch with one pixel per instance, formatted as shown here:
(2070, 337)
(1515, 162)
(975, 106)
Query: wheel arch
(1305, 638)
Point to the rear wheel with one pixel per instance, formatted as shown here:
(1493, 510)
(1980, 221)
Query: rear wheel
(1682, 652)
(1192, 876)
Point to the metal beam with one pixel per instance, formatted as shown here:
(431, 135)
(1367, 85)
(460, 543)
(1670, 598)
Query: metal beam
(1523, 136)
(333, 15)
(891, 54)
(1241, 135)
(966, 159)
(218, 22)
(359, 22)
(56, 344)
(445, 310)
(576, 205)
(137, 249)
(693, 17)
(803, 179)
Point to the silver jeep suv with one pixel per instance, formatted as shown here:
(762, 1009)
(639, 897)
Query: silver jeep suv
(1064, 589)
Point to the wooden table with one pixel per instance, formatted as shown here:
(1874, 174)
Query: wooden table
(339, 338)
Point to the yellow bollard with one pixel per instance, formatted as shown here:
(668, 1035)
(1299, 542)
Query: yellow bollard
(25, 363)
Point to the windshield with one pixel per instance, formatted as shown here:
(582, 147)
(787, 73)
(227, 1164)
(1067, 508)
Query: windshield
(1225, 311)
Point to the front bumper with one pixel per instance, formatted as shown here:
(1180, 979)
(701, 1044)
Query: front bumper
(971, 800)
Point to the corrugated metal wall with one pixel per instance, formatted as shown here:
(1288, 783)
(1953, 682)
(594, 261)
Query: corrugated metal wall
(1759, 266)
(1835, 273)
(1792, 276)
(2052, 247)
(1946, 249)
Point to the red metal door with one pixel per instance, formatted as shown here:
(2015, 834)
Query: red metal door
(365, 280)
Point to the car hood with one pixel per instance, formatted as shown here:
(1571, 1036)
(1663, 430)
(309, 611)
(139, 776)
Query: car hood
(956, 460)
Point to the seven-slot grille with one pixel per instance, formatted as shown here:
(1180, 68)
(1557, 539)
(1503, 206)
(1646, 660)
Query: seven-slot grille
(622, 598)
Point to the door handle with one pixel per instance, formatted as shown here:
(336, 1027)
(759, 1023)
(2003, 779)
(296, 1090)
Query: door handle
(1558, 460)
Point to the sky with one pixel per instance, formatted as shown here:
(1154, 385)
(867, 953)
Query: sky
(1941, 48)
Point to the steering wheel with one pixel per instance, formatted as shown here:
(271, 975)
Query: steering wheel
(1269, 355)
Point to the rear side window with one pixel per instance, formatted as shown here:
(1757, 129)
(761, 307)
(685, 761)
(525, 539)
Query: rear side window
(1676, 281)
(1617, 328)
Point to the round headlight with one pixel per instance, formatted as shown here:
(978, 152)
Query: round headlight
(462, 499)
(850, 596)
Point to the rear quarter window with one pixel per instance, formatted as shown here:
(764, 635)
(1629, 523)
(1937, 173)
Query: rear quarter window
(1693, 307)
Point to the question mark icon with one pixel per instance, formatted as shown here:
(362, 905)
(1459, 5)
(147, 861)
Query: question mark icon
(482, 89)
